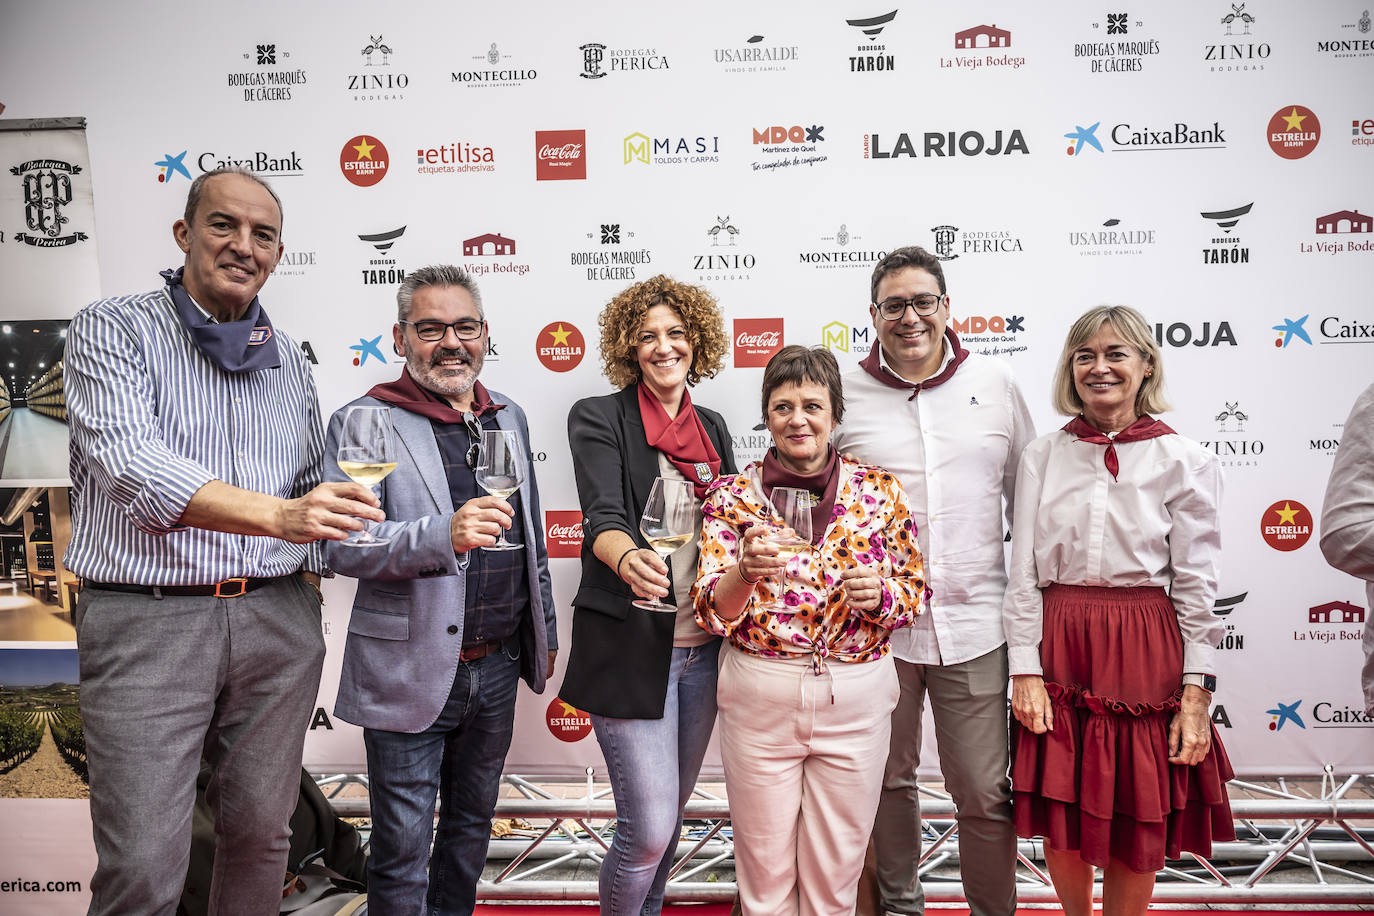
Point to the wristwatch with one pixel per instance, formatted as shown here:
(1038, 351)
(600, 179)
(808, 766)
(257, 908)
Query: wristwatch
(1207, 682)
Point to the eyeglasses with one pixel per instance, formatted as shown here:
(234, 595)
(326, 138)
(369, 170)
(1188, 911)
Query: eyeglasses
(894, 308)
(474, 429)
(463, 329)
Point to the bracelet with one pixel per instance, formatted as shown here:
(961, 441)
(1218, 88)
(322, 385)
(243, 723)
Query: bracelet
(622, 559)
(739, 568)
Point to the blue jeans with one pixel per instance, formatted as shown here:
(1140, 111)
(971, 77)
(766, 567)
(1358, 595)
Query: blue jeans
(461, 755)
(653, 765)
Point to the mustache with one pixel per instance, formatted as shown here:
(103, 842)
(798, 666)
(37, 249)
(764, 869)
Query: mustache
(460, 355)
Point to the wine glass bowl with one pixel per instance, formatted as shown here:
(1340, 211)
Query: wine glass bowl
(500, 471)
(668, 523)
(792, 534)
(367, 454)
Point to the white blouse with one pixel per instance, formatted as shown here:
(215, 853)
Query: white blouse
(1158, 524)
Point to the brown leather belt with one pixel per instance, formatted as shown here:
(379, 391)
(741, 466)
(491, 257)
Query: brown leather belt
(472, 653)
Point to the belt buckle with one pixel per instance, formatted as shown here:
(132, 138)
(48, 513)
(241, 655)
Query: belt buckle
(240, 582)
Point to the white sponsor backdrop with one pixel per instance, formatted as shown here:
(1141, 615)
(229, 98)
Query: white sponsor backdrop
(897, 136)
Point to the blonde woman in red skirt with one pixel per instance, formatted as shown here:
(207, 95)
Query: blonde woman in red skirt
(1109, 627)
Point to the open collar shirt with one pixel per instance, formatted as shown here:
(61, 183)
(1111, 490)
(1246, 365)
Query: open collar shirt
(955, 448)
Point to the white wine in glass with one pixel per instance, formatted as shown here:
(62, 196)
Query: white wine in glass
(367, 453)
(501, 471)
(668, 523)
(793, 508)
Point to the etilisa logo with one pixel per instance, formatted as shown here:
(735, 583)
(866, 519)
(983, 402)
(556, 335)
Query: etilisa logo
(47, 189)
(1236, 51)
(614, 258)
(566, 722)
(756, 340)
(560, 346)
(1341, 222)
(382, 270)
(1294, 131)
(785, 147)
(1233, 449)
(872, 56)
(492, 69)
(560, 155)
(563, 532)
(1119, 44)
(755, 56)
(1111, 239)
(951, 242)
(599, 60)
(170, 166)
(937, 144)
(724, 258)
(1362, 132)
(842, 250)
(363, 161)
(642, 149)
(1286, 525)
(1226, 248)
(267, 75)
(375, 80)
(982, 37)
(455, 156)
(492, 245)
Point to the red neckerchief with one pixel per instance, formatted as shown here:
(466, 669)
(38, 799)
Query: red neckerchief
(407, 395)
(824, 482)
(1147, 427)
(682, 438)
(872, 364)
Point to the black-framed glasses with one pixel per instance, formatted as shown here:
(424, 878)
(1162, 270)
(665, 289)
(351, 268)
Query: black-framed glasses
(474, 452)
(894, 308)
(464, 328)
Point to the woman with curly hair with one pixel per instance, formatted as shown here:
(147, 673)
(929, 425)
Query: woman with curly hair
(647, 678)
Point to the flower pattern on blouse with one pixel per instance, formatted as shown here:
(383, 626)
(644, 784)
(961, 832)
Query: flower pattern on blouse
(870, 526)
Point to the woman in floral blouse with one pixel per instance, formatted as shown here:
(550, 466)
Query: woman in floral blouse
(806, 692)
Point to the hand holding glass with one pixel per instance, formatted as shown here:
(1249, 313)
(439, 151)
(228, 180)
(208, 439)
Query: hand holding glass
(367, 453)
(793, 508)
(501, 471)
(668, 523)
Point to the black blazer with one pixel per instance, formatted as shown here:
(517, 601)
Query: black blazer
(618, 663)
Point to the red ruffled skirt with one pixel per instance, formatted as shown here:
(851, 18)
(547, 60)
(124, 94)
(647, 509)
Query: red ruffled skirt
(1101, 782)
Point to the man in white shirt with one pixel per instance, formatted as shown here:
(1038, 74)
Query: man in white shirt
(951, 425)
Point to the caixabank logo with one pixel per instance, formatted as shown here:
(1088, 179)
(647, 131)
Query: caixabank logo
(1323, 714)
(364, 161)
(1286, 525)
(945, 144)
(988, 38)
(1293, 131)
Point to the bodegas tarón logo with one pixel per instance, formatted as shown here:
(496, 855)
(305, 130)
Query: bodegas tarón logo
(46, 185)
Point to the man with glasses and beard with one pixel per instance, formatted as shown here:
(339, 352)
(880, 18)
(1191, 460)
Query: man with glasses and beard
(441, 630)
(951, 425)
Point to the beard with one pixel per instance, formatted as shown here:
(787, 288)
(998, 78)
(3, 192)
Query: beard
(451, 380)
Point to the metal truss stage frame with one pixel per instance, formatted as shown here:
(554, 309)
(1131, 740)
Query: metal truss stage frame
(1283, 831)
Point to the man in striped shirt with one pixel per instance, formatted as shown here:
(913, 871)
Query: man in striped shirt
(197, 509)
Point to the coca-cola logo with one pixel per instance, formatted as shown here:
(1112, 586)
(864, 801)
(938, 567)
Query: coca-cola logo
(563, 532)
(756, 340)
(566, 722)
(558, 155)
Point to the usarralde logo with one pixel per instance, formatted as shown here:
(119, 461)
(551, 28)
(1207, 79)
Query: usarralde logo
(1286, 525)
(1294, 131)
(363, 160)
(567, 722)
(563, 532)
(560, 346)
(560, 155)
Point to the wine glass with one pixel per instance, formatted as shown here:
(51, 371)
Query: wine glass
(668, 522)
(367, 453)
(501, 471)
(792, 506)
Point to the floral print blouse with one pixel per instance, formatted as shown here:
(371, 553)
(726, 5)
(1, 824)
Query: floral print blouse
(870, 526)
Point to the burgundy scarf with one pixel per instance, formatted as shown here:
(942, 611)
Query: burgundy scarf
(1147, 427)
(407, 395)
(825, 482)
(682, 438)
(872, 364)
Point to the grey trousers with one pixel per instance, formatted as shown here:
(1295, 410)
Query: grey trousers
(968, 702)
(165, 681)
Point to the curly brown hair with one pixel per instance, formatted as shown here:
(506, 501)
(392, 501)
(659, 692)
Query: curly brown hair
(622, 317)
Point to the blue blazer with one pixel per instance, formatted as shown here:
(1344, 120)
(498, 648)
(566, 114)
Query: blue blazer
(400, 658)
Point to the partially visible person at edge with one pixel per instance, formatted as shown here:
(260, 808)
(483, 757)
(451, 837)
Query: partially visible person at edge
(196, 508)
(807, 686)
(951, 425)
(1347, 527)
(647, 678)
(1110, 627)
(442, 631)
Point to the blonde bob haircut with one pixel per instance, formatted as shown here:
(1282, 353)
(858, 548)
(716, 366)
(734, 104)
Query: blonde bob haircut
(623, 316)
(1131, 325)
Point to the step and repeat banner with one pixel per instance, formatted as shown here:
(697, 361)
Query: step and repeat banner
(1205, 162)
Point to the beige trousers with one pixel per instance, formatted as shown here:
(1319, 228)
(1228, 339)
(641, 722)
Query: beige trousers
(803, 759)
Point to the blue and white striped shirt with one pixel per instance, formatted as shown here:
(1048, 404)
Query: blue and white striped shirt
(152, 421)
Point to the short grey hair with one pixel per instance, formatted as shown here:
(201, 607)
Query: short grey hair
(435, 275)
(198, 187)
